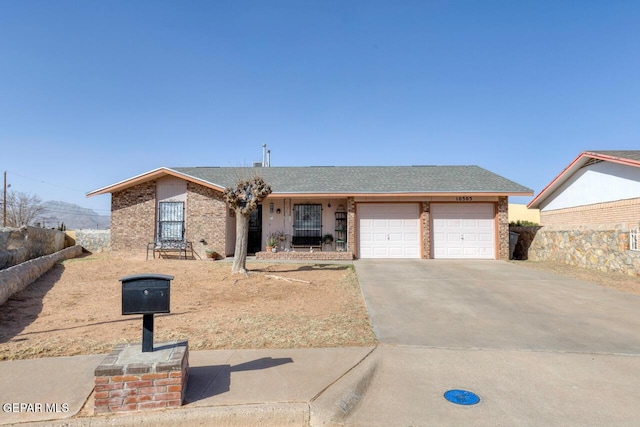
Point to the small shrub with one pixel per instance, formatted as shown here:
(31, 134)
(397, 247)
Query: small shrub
(521, 223)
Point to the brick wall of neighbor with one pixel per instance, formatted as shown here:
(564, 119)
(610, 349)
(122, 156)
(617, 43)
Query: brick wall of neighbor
(503, 228)
(623, 212)
(351, 226)
(426, 230)
(206, 214)
(133, 217)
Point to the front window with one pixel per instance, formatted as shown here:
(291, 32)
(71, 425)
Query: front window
(307, 220)
(171, 221)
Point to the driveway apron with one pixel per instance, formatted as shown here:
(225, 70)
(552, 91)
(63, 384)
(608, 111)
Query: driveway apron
(537, 348)
(496, 305)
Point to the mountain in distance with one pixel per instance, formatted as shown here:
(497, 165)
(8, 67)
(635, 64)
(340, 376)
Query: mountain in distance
(73, 216)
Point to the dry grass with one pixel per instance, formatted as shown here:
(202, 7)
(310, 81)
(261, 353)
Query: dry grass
(76, 308)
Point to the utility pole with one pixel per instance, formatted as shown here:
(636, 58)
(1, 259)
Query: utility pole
(4, 201)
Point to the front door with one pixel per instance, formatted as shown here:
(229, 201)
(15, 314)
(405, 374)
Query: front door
(255, 231)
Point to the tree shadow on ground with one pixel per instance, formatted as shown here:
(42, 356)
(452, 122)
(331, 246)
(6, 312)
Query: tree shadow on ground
(23, 307)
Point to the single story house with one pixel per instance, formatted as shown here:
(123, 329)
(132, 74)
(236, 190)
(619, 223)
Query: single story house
(372, 212)
(596, 188)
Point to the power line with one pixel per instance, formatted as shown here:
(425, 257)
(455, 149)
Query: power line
(45, 182)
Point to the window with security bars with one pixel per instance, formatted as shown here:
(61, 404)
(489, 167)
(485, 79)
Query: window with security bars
(307, 221)
(171, 221)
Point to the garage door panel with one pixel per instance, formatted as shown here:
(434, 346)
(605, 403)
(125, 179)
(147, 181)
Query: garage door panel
(411, 237)
(463, 230)
(395, 230)
(379, 237)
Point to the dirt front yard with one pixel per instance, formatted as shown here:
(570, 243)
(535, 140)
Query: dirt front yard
(76, 307)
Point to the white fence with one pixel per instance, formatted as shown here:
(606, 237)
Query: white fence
(634, 239)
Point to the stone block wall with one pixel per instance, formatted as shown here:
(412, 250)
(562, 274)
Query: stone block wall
(18, 245)
(603, 248)
(16, 278)
(133, 217)
(90, 240)
(206, 214)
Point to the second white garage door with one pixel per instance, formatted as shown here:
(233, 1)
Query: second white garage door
(389, 230)
(463, 230)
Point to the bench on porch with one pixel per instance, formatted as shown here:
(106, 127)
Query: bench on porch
(165, 246)
(306, 242)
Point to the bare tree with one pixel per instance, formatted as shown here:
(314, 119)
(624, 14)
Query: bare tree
(243, 198)
(23, 209)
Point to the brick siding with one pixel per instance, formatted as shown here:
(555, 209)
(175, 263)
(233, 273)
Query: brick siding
(133, 217)
(503, 228)
(206, 215)
(426, 230)
(351, 226)
(622, 212)
(310, 256)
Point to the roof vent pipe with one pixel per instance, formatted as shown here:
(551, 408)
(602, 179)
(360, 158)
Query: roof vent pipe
(268, 158)
(264, 155)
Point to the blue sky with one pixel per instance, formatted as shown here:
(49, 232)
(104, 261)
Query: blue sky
(94, 92)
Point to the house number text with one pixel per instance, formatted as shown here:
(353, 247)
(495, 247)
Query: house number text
(464, 199)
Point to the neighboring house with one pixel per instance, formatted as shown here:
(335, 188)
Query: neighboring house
(597, 188)
(589, 213)
(372, 212)
(518, 212)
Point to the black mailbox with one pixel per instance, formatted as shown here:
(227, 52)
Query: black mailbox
(146, 293)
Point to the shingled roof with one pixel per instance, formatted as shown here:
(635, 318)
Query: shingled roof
(633, 155)
(365, 179)
(343, 180)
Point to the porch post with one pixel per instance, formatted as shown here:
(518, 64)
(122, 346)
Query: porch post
(351, 226)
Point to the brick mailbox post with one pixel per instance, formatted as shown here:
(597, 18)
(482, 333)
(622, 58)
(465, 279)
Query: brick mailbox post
(135, 377)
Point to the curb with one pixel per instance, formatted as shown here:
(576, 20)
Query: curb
(276, 414)
(332, 406)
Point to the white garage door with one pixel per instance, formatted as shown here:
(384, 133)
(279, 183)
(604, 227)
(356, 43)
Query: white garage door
(389, 230)
(463, 230)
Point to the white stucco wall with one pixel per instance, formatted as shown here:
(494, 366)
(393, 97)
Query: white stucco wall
(598, 183)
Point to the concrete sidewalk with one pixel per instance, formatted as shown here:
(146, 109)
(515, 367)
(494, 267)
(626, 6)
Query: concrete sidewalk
(382, 386)
(231, 387)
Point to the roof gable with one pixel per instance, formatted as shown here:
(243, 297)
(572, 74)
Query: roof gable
(625, 157)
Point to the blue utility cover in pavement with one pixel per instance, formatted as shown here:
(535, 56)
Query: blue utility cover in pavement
(461, 397)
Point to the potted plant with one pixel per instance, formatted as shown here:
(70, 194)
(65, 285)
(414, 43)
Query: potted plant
(327, 239)
(211, 254)
(272, 242)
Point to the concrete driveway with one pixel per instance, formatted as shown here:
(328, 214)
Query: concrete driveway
(539, 349)
(494, 304)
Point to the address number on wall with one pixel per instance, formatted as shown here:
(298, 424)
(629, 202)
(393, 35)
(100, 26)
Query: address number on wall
(464, 199)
